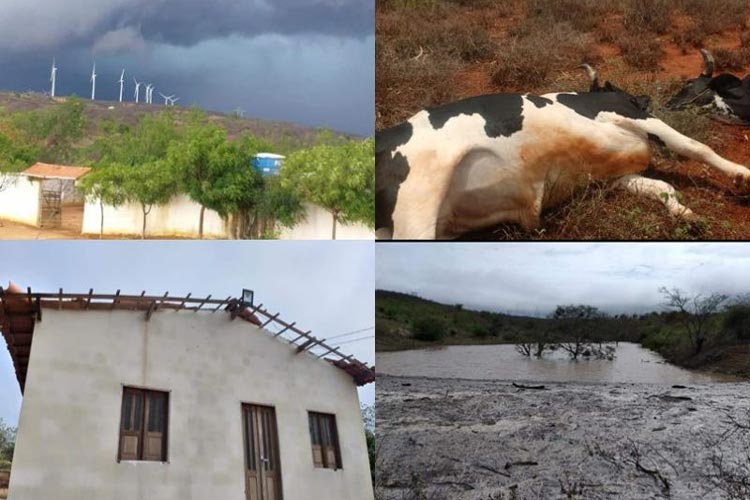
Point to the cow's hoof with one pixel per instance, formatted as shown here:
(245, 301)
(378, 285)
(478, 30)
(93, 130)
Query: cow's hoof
(742, 182)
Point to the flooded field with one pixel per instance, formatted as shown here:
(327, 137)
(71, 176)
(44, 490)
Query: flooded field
(488, 439)
(502, 362)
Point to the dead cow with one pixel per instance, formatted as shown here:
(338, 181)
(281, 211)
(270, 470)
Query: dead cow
(477, 162)
(724, 94)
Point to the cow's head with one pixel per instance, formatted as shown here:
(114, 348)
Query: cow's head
(642, 102)
(699, 91)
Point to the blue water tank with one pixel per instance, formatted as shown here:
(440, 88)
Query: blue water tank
(267, 164)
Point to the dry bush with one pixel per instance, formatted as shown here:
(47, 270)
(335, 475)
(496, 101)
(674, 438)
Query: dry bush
(712, 18)
(732, 59)
(527, 60)
(648, 15)
(583, 15)
(404, 86)
(689, 38)
(641, 52)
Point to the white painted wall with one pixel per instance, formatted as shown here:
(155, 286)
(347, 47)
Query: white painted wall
(318, 224)
(68, 430)
(179, 217)
(20, 200)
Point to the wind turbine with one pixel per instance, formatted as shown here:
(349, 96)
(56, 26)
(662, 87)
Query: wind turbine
(53, 77)
(166, 98)
(239, 112)
(174, 100)
(149, 91)
(121, 81)
(137, 89)
(93, 82)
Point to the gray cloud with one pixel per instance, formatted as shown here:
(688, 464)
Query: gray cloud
(534, 278)
(305, 61)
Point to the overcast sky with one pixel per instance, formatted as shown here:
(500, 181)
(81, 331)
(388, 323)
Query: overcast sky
(532, 278)
(326, 287)
(304, 61)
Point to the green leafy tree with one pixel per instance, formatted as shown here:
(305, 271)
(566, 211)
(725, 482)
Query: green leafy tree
(14, 157)
(339, 177)
(150, 185)
(576, 324)
(7, 443)
(54, 129)
(200, 160)
(106, 186)
(694, 312)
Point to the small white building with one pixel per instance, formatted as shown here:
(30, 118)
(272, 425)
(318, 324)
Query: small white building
(141, 397)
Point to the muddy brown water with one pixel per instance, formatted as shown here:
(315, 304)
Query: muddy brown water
(632, 364)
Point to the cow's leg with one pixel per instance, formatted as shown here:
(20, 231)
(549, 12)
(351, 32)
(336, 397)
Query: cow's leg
(657, 190)
(692, 149)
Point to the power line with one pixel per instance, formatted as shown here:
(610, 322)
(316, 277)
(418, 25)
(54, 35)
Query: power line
(356, 340)
(350, 333)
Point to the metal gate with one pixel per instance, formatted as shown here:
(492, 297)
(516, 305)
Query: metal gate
(51, 208)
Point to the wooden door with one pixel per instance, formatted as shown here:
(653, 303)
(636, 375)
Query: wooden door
(262, 470)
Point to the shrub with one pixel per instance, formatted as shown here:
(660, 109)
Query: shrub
(428, 329)
(481, 332)
(641, 52)
(737, 321)
(648, 15)
(732, 59)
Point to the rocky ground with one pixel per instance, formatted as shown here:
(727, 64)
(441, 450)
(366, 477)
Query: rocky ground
(468, 439)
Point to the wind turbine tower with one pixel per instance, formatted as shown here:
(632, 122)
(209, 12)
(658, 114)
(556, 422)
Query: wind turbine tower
(53, 77)
(174, 100)
(137, 89)
(93, 82)
(121, 81)
(149, 92)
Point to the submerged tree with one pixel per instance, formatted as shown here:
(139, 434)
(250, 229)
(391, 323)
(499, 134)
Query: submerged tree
(576, 325)
(695, 313)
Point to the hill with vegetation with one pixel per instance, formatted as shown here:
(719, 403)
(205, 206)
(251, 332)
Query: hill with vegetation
(405, 321)
(146, 154)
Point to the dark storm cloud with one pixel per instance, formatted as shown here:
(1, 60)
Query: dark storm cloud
(305, 61)
(28, 25)
(534, 278)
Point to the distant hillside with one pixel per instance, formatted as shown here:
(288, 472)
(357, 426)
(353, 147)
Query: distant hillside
(99, 119)
(396, 314)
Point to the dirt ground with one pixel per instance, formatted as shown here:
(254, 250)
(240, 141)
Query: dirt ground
(596, 212)
(461, 440)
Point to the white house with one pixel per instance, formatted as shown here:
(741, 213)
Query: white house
(159, 397)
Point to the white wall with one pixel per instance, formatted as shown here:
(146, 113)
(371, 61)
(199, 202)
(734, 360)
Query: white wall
(318, 224)
(180, 217)
(20, 200)
(68, 430)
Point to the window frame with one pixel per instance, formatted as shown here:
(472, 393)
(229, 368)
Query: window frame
(145, 393)
(314, 423)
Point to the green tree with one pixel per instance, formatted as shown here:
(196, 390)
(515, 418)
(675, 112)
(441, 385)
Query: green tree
(7, 443)
(55, 129)
(105, 185)
(429, 329)
(576, 325)
(338, 177)
(694, 312)
(201, 160)
(149, 185)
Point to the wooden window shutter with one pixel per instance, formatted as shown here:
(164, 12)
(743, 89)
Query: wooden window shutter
(130, 432)
(317, 449)
(143, 428)
(154, 435)
(324, 439)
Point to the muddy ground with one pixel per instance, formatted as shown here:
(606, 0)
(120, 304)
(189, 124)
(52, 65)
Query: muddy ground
(461, 440)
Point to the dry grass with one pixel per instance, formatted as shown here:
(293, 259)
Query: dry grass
(470, 47)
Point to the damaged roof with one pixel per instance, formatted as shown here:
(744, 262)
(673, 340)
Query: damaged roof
(19, 312)
(47, 171)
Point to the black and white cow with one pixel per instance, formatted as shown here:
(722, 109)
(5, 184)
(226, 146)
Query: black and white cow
(477, 162)
(725, 94)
